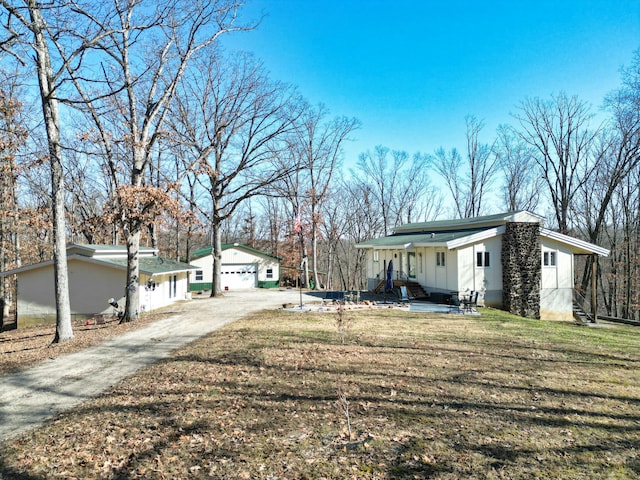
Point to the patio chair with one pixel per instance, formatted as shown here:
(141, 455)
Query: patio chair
(471, 303)
(404, 295)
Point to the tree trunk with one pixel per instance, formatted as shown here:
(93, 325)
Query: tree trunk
(216, 253)
(314, 249)
(132, 289)
(64, 330)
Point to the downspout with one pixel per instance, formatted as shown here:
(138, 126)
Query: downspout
(594, 292)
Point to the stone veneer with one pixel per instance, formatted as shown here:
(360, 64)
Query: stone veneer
(521, 269)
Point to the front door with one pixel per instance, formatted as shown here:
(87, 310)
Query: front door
(411, 260)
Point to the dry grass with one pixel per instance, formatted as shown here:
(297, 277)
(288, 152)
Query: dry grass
(443, 397)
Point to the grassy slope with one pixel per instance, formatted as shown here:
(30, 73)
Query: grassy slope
(428, 397)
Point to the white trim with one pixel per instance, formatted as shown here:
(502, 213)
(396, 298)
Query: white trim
(574, 242)
(97, 261)
(476, 237)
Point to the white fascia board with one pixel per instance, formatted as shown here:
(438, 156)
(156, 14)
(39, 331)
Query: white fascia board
(26, 268)
(74, 256)
(476, 237)
(430, 244)
(574, 242)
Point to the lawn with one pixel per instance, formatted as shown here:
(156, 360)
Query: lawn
(279, 396)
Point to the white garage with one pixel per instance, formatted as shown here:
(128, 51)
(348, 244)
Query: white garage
(242, 267)
(236, 277)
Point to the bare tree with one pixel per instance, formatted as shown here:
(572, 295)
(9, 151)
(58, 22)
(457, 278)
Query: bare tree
(234, 120)
(318, 145)
(383, 177)
(522, 184)
(617, 160)
(558, 132)
(469, 181)
(400, 186)
(38, 37)
(143, 49)
(12, 137)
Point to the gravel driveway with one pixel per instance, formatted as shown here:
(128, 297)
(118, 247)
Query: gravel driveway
(32, 396)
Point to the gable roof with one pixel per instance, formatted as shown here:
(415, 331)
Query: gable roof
(420, 239)
(94, 250)
(152, 265)
(205, 251)
(471, 223)
(452, 234)
(114, 256)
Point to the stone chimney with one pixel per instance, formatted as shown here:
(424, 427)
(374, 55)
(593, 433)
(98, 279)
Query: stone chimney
(521, 269)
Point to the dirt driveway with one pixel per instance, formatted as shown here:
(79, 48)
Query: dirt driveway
(32, 396)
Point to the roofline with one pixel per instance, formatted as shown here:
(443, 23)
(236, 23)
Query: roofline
(100, 249)
(227, 246)
(436, 225)
(576, 242)
(73, 256)
(476, 237)
(493, 232)
(97, 261)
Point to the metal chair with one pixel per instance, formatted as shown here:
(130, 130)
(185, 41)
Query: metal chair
(471, 303)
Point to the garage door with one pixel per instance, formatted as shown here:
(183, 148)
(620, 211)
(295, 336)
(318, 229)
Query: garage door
(235, 277)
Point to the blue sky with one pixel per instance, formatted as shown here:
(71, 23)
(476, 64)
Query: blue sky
(411, 70)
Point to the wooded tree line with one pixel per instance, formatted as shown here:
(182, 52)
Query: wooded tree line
(127, 122)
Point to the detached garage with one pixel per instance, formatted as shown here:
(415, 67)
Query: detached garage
(242, 268)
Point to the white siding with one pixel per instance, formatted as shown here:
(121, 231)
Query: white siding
(91, 285)
(235, 257)
(161, 293)
(556, 293)
(487, 280)
(206, 265)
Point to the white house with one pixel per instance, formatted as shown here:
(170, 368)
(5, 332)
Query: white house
(97, 273)
(511, 258)
(242, 267)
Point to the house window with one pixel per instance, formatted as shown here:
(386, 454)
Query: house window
(269, 272)
(483, 259)
(376, 256)
(173, 286)
(199, 275)
(549, 258)
(440, 259)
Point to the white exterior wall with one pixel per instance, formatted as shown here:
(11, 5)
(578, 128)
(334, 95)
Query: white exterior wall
(163, 293)
(236, 256)
(556, 292)
(487, 280)
(90, 287)
(206, 265)
(35, 291)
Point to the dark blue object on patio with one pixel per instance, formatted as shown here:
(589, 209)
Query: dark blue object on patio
(388, 286)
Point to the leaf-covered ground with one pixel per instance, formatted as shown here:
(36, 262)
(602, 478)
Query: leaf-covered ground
(21, 348)
(443, 397)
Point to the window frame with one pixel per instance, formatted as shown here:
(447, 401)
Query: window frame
(199, 275)
(441, 259)
(550, 258)
(483, 259)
